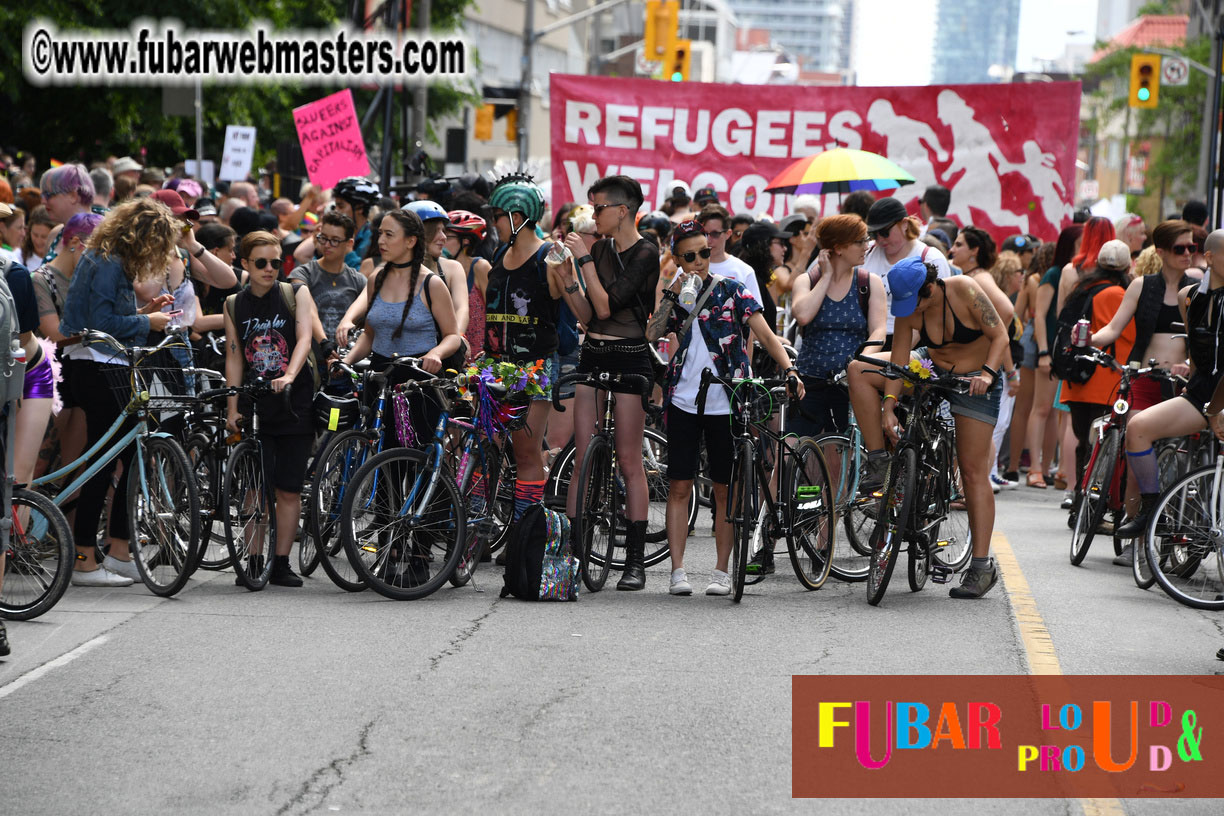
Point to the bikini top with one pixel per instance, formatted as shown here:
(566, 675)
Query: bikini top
(961, 334)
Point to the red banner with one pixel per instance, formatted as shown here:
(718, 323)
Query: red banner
(1007, 152)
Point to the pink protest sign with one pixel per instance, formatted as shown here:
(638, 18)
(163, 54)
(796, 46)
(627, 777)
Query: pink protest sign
(330, 135)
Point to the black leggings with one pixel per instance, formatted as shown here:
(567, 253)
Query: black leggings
(101, 409)
(1082, 416)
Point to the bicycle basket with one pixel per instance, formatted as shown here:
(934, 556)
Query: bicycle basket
(336, 413)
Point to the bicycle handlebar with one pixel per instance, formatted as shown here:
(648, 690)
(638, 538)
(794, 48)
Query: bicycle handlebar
(707, 379)
(604, 380)
(951, 383)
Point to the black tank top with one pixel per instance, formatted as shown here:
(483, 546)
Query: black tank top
(267, 334)
(520, 313)
(1205, 331)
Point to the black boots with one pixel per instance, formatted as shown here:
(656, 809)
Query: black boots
(283, 574)
(1138, 525)
(634, 577)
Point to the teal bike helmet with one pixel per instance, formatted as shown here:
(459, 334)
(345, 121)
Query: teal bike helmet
(518, 193)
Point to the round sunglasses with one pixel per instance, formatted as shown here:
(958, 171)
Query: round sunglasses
(689, 257)
(261, 263)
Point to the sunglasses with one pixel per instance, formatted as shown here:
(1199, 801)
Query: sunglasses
(689, 257)
(1182, 249)
(715, 233)
(880, 233)
(601, 207)
(323, 240)
(261, 263)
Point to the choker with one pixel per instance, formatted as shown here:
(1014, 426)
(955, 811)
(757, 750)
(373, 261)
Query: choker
(394, 265)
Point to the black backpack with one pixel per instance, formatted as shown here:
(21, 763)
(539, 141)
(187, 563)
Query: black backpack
(1063, 356)
(539, 564)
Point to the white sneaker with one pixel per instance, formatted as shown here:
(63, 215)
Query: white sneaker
(679, 583)
(125, 568)
(99, 578)
(720, 584)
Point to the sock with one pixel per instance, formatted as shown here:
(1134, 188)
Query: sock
(980, 564)
(1143, 468)
(527, 494)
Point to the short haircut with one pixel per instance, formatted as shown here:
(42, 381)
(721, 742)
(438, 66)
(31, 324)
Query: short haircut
(1167, 233)
(68, 178)
(103, 182)
(259, 238)
(742, 218)
(948, 226)
(1195, 212)
(859, 202)
(621, 189)
(335, 219)
(712, 211)
(124, 188)
(215, 235)
(840, 230)
(937, 198)
(1215, 241)
(281, 206)
(80, 225)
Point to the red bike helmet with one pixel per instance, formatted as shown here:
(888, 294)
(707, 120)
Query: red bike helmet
(467, 223)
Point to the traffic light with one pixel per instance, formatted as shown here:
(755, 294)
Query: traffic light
(677, 66)
(484, 123)
(662, 20)
(1144, 81)
(512, 125)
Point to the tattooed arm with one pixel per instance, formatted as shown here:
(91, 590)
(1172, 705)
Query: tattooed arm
(983, 311)
(657, 327)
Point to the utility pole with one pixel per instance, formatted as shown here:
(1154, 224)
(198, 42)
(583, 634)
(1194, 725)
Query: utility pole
(420, 108)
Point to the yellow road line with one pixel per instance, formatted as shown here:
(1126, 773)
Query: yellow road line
(1038, 645)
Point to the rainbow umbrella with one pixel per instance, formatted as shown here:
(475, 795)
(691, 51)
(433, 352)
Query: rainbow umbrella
(840, 170)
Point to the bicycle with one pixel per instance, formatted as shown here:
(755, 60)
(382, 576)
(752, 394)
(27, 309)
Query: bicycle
(1174, 459)
(599, 516)
(163, 501)
(923, 466)
(804, 511)
(404, 512)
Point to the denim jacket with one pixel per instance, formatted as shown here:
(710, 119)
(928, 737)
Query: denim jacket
(101, 298)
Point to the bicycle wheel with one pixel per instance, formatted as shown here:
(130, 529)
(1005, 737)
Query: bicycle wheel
(852, 551)
(1094, 498)
(344, 454)
(951, 543)
(38, 562)
(403, 524)
(1171, 463)
(164, 514)
(744, 508)
(810, 507)
(597, 513)
(892, 521)
(479, 494)
(209, 471)
(1184, 545)
(247, 511)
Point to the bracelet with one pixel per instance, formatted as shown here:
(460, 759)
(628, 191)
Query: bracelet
(1014, 375)
(200, 254)
(572, 288)
(994, 373)
(1041, 354)
(585, 259)
(670, 295)
(892, 397)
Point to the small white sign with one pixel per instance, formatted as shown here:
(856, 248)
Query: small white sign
(1090, 189)
(1174, 71)
(239, 152)
(208, 175)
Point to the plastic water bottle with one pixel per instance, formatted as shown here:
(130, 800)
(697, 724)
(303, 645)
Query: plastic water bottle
(688, 292)
(557, 255)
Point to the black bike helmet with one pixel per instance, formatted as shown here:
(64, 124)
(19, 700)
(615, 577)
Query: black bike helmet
(358, 191)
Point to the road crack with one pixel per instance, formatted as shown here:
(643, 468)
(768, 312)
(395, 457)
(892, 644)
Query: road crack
(456, 643)
(314, 791)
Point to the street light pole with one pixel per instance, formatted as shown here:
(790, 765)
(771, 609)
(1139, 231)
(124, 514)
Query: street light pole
(524, 105)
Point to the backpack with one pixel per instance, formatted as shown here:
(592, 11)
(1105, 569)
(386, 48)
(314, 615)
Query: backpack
(289, 296)
(539, 563)
(1063, 360)
(11, 368)
(455, 361)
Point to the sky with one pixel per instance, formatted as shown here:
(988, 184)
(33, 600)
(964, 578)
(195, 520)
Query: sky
(896, 48)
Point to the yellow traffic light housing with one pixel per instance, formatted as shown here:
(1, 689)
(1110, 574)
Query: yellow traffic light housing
(678, 64)
(512, 125)
(1144, 81)
(662, 23)
(483, 131)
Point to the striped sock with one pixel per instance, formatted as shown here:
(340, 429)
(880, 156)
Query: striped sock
(527, 494)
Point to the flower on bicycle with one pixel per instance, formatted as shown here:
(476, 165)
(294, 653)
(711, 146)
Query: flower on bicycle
(923, 368)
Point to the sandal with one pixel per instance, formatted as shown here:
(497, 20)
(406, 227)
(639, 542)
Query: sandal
(1060, 481)
(1035, 479)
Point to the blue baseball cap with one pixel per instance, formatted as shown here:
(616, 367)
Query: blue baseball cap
(904, 280)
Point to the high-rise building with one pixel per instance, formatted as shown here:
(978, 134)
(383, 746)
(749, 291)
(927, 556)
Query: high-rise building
(975, 41)
(815, 31)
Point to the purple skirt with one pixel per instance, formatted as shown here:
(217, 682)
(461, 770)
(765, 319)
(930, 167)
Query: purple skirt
(39, 381)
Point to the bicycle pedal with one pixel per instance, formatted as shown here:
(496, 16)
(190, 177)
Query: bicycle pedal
(941, 573)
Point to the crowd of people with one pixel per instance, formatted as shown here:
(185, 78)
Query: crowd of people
(484, 272)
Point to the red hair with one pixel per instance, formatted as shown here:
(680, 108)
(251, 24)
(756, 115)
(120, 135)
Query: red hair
(1097, 231)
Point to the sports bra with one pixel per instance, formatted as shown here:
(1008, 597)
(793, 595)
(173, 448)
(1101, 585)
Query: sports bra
(1166, 317)
(961, 333)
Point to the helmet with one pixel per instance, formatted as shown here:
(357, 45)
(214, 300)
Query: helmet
(357, 190)
(426, 210)
(657, 221)
(520, 194)
(467, 223)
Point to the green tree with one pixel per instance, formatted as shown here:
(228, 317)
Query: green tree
(87, 123)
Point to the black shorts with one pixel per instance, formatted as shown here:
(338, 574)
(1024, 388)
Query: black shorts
(285, 459)
(73, 384)
(615, 357)
(684, 434)
(828, 406)
(1199, 391)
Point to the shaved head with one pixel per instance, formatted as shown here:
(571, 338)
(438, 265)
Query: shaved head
(1214, 242)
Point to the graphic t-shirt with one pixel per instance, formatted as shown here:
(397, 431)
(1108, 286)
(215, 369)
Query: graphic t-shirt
(267, 332)
(333, 294)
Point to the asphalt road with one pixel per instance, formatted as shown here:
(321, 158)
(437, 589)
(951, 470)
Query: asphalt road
(314, 700)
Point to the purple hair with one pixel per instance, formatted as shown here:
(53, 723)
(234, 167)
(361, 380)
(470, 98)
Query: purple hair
(69, 178)
(81, 224)
(182, 185)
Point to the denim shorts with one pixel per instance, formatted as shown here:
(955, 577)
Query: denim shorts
(983, 408)
(1029, 341)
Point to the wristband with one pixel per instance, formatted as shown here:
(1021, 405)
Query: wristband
(892, 397)
(1041, 354)
(585, 259)
(572, 288)
(670, 295)
(200, 254)
(994, 373)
